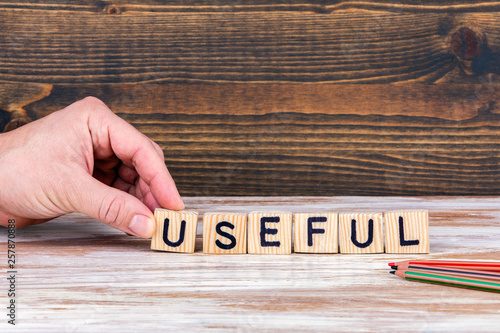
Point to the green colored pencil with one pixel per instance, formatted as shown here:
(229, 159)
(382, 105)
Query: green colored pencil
(449, 280)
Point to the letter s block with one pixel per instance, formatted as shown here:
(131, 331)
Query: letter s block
(270, 233)
(407, 231)
(175, 231)
(361, 233)
(225, 233)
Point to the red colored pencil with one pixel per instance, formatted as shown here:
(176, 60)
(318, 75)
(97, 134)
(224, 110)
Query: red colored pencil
(485, 285)
(471, 265)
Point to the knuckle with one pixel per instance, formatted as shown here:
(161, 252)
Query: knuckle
(91, 100)
(158, 149)
(92, 105)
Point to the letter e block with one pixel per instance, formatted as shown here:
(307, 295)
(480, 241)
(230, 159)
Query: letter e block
(270, 233)
(361, 233)
(407, 231)
(224, 233)
(316, 233)
(175, 231)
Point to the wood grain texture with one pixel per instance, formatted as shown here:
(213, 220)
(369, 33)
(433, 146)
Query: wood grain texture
(14, 96)
(235, 225)
(253, 5)
(75, 44)
(410, 237)
(366, 241)
(79, 275)
(318, 139)
(324, 233)
(276, 98)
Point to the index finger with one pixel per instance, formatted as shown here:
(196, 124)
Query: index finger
(111, 133)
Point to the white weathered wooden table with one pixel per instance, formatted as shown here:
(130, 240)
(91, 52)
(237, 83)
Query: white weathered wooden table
(78, 275)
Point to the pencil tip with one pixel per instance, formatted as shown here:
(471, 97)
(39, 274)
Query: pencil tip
(392, 264)
(394, 267)
(392, 272)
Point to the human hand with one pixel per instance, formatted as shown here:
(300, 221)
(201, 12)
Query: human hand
(84, 159)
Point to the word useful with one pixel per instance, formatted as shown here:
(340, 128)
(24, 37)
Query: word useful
(271, 232)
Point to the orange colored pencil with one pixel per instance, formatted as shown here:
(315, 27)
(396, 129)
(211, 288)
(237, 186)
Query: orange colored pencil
(471, 265)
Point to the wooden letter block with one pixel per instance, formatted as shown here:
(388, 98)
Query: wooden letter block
(316, 232)
(224, 233)
(270, 233)
(361, 233)
(407, 231)
(175, 231)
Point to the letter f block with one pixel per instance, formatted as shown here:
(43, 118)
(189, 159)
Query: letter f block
(175, 231)
(316, 233)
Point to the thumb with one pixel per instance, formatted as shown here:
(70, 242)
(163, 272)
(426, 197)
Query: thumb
(114, 207)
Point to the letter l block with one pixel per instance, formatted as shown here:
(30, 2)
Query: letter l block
(407, 231)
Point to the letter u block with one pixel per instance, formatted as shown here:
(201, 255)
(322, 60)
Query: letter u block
(270, 233)
(225, 233)
(175, 231)
(361, 233)
(407, 231)
(316, 233)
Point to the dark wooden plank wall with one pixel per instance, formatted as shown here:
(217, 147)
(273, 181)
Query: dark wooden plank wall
(266, 97)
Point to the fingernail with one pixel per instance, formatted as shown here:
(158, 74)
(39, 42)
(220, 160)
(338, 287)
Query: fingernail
(181, 204)
(142, 226)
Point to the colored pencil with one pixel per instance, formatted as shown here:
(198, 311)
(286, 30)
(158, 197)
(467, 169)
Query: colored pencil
(474, 265)
(479, 284)
(490, 275)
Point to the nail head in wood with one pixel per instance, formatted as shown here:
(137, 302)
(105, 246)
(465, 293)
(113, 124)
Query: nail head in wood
(112, 10)
(466, 43)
